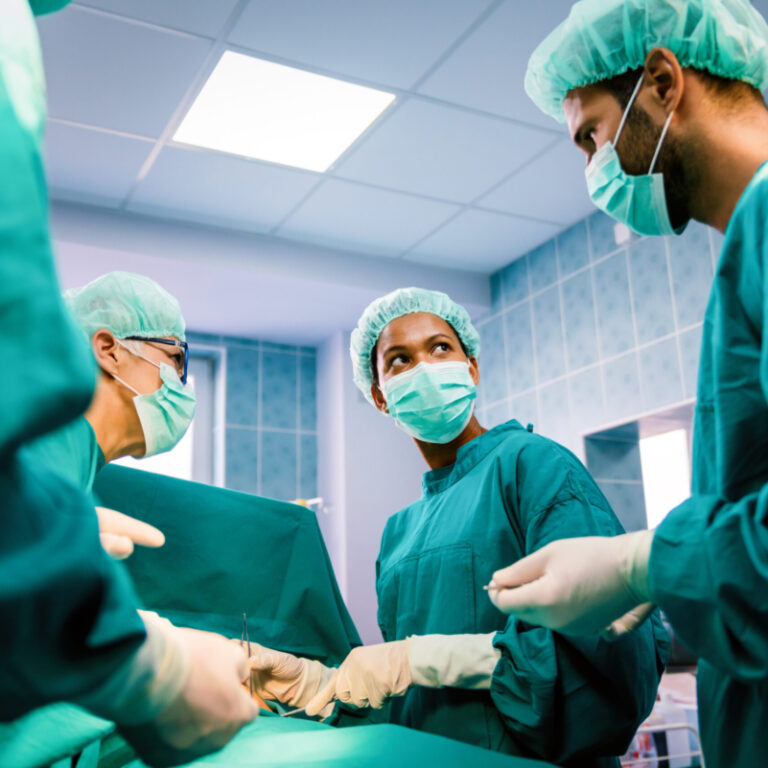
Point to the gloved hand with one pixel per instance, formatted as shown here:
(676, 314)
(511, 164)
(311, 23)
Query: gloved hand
(120, 532)
(286, 678)
(179, 697)
(577, 586)
(369, 675)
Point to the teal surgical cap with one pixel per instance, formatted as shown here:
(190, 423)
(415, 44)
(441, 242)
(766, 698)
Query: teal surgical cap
(404, 301)
(127, 305)
(601, 39)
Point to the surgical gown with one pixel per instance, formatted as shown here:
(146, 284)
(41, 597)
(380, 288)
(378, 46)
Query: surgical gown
(709, 560)
(572, 701)
(67, 615)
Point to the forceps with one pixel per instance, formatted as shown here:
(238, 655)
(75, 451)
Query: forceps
(246, 641)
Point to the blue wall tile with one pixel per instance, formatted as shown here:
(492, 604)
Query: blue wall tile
(514, 282)
(542, 265)
(652, 300)
(586, 397)
(548, 335)
(308, 461)
(525, 409)
(573, 249)
(614, 309)
(242, 471)
(622, 387)
(493, 369)
(614, 459)
(660, 375)
(279, 390)
(579, 314)
(628, 503)
(497, 414)
(496, 300)
(602, 235)
(308, 387)
(519, 341)
(690, 349)
(193, 337)
(691, 261)
(278, 465)
(554, 415)
(242, 386)
(239, 341)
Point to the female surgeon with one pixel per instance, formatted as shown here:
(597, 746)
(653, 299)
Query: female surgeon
(451, 664)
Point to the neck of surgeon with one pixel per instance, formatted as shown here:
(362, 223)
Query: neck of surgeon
(114, 420)
(439, 455)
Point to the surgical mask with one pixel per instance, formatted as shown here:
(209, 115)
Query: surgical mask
(432, 402)
(166, 413)
(637, 201)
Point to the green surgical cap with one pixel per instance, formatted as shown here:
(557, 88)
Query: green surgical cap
(404, 301)
(601, 39)
(127, 305)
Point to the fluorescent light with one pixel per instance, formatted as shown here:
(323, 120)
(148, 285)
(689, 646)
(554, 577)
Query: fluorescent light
(666, 475)
(283, 115)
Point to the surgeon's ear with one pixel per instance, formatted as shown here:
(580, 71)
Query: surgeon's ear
(474, 370)
(665, 75)
(378, 398)
(105, 350)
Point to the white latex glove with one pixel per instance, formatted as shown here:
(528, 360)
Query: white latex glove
(453, 661)
(180, 695)
(286, 678)
(369, 675)
(119, 533)
(577, 586)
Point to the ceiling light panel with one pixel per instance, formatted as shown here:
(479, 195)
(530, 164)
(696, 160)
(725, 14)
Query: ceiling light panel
(268, 111)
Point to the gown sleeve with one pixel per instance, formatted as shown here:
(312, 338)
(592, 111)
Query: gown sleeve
(561, 696)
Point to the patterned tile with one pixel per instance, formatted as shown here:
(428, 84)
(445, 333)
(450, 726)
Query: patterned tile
(308, 476)
(548, 335)
(514, 282)
(690, 349)
(554, 419)
(278, 390)
(278, 465)
(308, 392)
(660, 375)
(525, 409)
(586, 397)
(691, 261)
(614, 459)
(242, 407)
(622, 388)
(614, 311)
(493, 369)
(652, 300)
(239, 341)
(628, 503)
(496, 302)
(193, 337)
(519, 340)
(602, 235)
(579, 314)
(573, 249)
(542, 265)
(242, 460)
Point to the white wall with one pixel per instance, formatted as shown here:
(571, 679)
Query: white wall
(367, 470)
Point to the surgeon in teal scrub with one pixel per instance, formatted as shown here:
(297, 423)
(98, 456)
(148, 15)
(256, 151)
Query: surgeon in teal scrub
(451, 664)
(70, 630)
(664, 97)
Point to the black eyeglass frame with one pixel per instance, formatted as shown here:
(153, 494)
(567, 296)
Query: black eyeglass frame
(171, 343)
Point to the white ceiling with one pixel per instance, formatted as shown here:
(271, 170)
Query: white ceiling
(461, 172)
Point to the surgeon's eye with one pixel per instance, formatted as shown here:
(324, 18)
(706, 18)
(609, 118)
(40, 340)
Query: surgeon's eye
(442, 346)
(398, 360)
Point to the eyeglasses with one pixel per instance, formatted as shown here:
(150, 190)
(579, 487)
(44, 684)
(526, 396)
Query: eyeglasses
(182, 369)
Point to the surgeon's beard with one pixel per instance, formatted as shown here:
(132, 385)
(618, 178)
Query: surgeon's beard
(638, 143)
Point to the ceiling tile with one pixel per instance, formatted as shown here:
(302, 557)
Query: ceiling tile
(440, 151)
(481, 241)
(116, 74)
(201, 17)
(214, 188)
(91, 166)
(551, 187)
(392, 43)
(487, 70)
(353, 217)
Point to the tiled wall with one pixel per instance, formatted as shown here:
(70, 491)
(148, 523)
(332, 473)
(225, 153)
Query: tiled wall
(586, 331)
(271, 417)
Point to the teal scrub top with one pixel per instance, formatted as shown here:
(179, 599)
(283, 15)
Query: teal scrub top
(67, 614)
(571, 701)
(709, 560)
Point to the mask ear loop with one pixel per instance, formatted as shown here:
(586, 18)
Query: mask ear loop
(661, 141)
(626, 111)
